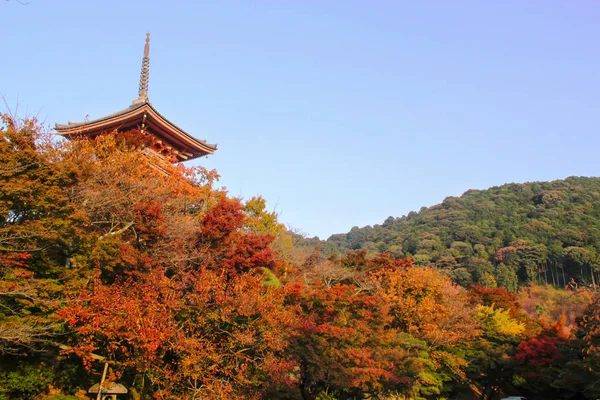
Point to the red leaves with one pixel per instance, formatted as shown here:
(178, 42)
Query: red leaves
(206, 319)
(356, 334)
(385, 260)
(129, 319)
(221, 221)
(179, 301)
(149, 220)
(228, 245)
(218, 329)
(14, 259)
(249, 252)
(340, 337)
(539, 352)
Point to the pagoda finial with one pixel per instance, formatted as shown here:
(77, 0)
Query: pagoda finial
(145, 74)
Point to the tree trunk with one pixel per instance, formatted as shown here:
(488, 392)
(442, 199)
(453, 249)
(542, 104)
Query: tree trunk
(304, 390)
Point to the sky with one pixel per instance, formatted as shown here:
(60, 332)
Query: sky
(339, 113)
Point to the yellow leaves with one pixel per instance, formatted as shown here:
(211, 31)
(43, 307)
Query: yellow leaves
(261, 221)
(427, 305)
(498, 321)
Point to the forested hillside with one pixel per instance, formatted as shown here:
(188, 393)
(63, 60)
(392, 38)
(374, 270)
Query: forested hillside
(542, 232)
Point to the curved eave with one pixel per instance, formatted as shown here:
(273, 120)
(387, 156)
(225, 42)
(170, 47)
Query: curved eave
(89, 126)
(181, 134)
(134, 117)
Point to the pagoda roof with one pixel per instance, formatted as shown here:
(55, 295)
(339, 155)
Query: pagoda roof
(143, 116)
(140, 115)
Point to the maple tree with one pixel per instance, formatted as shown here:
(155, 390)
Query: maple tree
(495, 297)
(504, 326)
(141, 259)
(552, 305)
(339, 341)
(428, 306)
(36, 222)
(377, 325)
(198, 333)
(176, 296)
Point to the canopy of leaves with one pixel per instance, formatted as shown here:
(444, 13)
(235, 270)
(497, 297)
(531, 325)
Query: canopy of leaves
(544, 232)
(108, 254)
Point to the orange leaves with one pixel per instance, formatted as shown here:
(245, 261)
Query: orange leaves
(217, 328)
(35, 229)
(207, 319)
(239, 326)
(159, 266)
(179, 286)
(427, 305)
(381, 324)
(338, 335)
(496, 297)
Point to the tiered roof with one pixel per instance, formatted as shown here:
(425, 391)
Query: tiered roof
(167, 138)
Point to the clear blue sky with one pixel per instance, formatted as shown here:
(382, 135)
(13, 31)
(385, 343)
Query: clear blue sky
(339, 113)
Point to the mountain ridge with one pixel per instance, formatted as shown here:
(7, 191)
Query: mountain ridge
(507, 235)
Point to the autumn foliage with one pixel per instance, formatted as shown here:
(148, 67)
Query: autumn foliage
(110, 255)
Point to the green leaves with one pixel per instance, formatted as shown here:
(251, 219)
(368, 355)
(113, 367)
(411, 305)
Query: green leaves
(526, 227)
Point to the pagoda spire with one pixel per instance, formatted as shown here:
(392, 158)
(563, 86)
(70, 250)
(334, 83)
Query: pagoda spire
(160, 136)
(144, 74)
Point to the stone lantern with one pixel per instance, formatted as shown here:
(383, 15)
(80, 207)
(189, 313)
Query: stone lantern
(110, 391)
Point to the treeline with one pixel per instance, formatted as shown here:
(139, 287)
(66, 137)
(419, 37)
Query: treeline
(506, 236)
(108, 256)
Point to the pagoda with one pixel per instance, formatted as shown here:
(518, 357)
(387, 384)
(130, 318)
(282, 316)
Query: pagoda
(164, 138)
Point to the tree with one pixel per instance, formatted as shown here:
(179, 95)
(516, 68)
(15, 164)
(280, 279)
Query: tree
(37, 221)
(504, 327)
(175, 296)
(149, 266)
(363, 334)
(197, 333)
(584, 260)
(589, 332)
(524, 226)
(542, 360)
(426, 305)
(340, 342)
